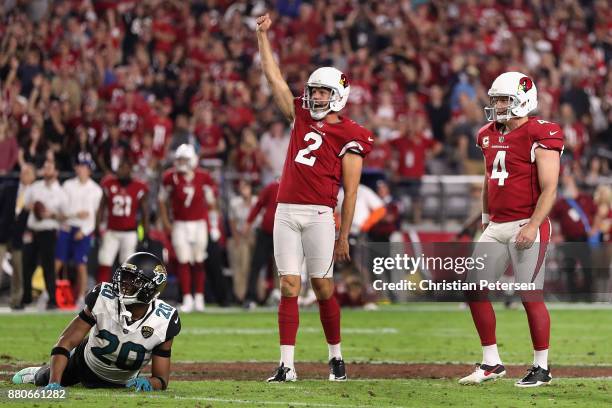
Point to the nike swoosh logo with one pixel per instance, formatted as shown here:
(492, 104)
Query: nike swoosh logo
(522, 225)
(176, 320)
(553, 133)
(370, 139)
(321, 212)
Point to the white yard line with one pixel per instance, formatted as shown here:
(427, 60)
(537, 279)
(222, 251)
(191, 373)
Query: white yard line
(209, 399)
(255, 331)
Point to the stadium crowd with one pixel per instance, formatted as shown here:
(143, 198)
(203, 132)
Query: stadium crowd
(102, 82)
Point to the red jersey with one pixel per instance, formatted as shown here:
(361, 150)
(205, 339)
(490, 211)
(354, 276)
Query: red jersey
(313, 166)
(122, 202)
(188, 198)
(511, 171)
(267, 201)
(161, 128)
(572, 226)
(412, 154)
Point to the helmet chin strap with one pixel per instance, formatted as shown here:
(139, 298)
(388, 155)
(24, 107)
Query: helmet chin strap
(318, 115)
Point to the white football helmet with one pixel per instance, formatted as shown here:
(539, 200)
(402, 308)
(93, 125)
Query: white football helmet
(185, 151)
(521, 93)
(332, 79)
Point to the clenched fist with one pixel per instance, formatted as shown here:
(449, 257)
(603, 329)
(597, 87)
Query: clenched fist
(263, 23)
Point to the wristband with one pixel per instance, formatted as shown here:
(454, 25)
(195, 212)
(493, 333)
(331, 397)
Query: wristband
(485, 218)
(60, 351)
(163, 383)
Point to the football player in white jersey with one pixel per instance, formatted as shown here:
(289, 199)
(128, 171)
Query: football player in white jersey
(128, 326)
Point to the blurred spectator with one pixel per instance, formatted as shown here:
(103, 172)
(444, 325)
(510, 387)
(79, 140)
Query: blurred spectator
(574, 212)
(381, 231)
(13, 220)
(113, 150)
(45, 200)
(35, 148)
(209, 134)
(8, 148)
(411, 150)
(247, 157)
(83, 197)
(273, 146)
(240, 245)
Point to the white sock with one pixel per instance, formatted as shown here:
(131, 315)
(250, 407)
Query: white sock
(334, 351)
(540, 358)
(287, 355)
(490, 355)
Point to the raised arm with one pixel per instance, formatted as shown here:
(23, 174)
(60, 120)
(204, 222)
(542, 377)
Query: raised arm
(280, 89)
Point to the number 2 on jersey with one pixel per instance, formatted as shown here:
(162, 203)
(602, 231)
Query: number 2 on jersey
(302, 156)
(500, 163)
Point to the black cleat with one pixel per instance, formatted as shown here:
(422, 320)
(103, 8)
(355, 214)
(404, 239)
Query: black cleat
(283, 374)
(337, 370)
(535, 377)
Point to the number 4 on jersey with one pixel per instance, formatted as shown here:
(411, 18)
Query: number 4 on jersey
(499, 172)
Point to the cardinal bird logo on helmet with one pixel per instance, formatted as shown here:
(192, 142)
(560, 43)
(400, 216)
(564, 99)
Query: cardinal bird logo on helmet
(344, 81)
(525, 84)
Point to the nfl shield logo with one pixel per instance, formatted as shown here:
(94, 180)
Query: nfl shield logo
(501, 139)
(485, 141)
(146, 331)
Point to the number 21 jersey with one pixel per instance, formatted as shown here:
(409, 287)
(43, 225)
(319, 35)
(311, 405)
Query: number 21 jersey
(511, 171)
(122, 202)
(313, 166)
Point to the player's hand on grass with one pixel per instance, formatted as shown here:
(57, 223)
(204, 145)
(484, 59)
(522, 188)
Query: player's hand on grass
(139, 384)
(341, 250)
(263, 23)
(53, 386)
(526, 236)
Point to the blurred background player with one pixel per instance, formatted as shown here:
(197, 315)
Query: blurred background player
(522, 162)
(186, 194)
(325, 150)
(264, 244)
(83, 197)
(128, 326)
(124, 197)
(45, 199)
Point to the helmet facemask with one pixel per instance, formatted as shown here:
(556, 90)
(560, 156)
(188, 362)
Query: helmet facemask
(495, 113)
(183, 164)
(319, 108)
(132, 288)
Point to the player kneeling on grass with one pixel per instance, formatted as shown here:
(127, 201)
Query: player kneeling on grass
(127, 326)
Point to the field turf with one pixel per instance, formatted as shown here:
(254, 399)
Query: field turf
(419, 333)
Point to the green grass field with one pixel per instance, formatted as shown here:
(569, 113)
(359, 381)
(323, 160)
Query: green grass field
(418, 333)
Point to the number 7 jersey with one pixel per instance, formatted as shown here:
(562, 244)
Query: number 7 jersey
(313, 165)
(511, 171)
